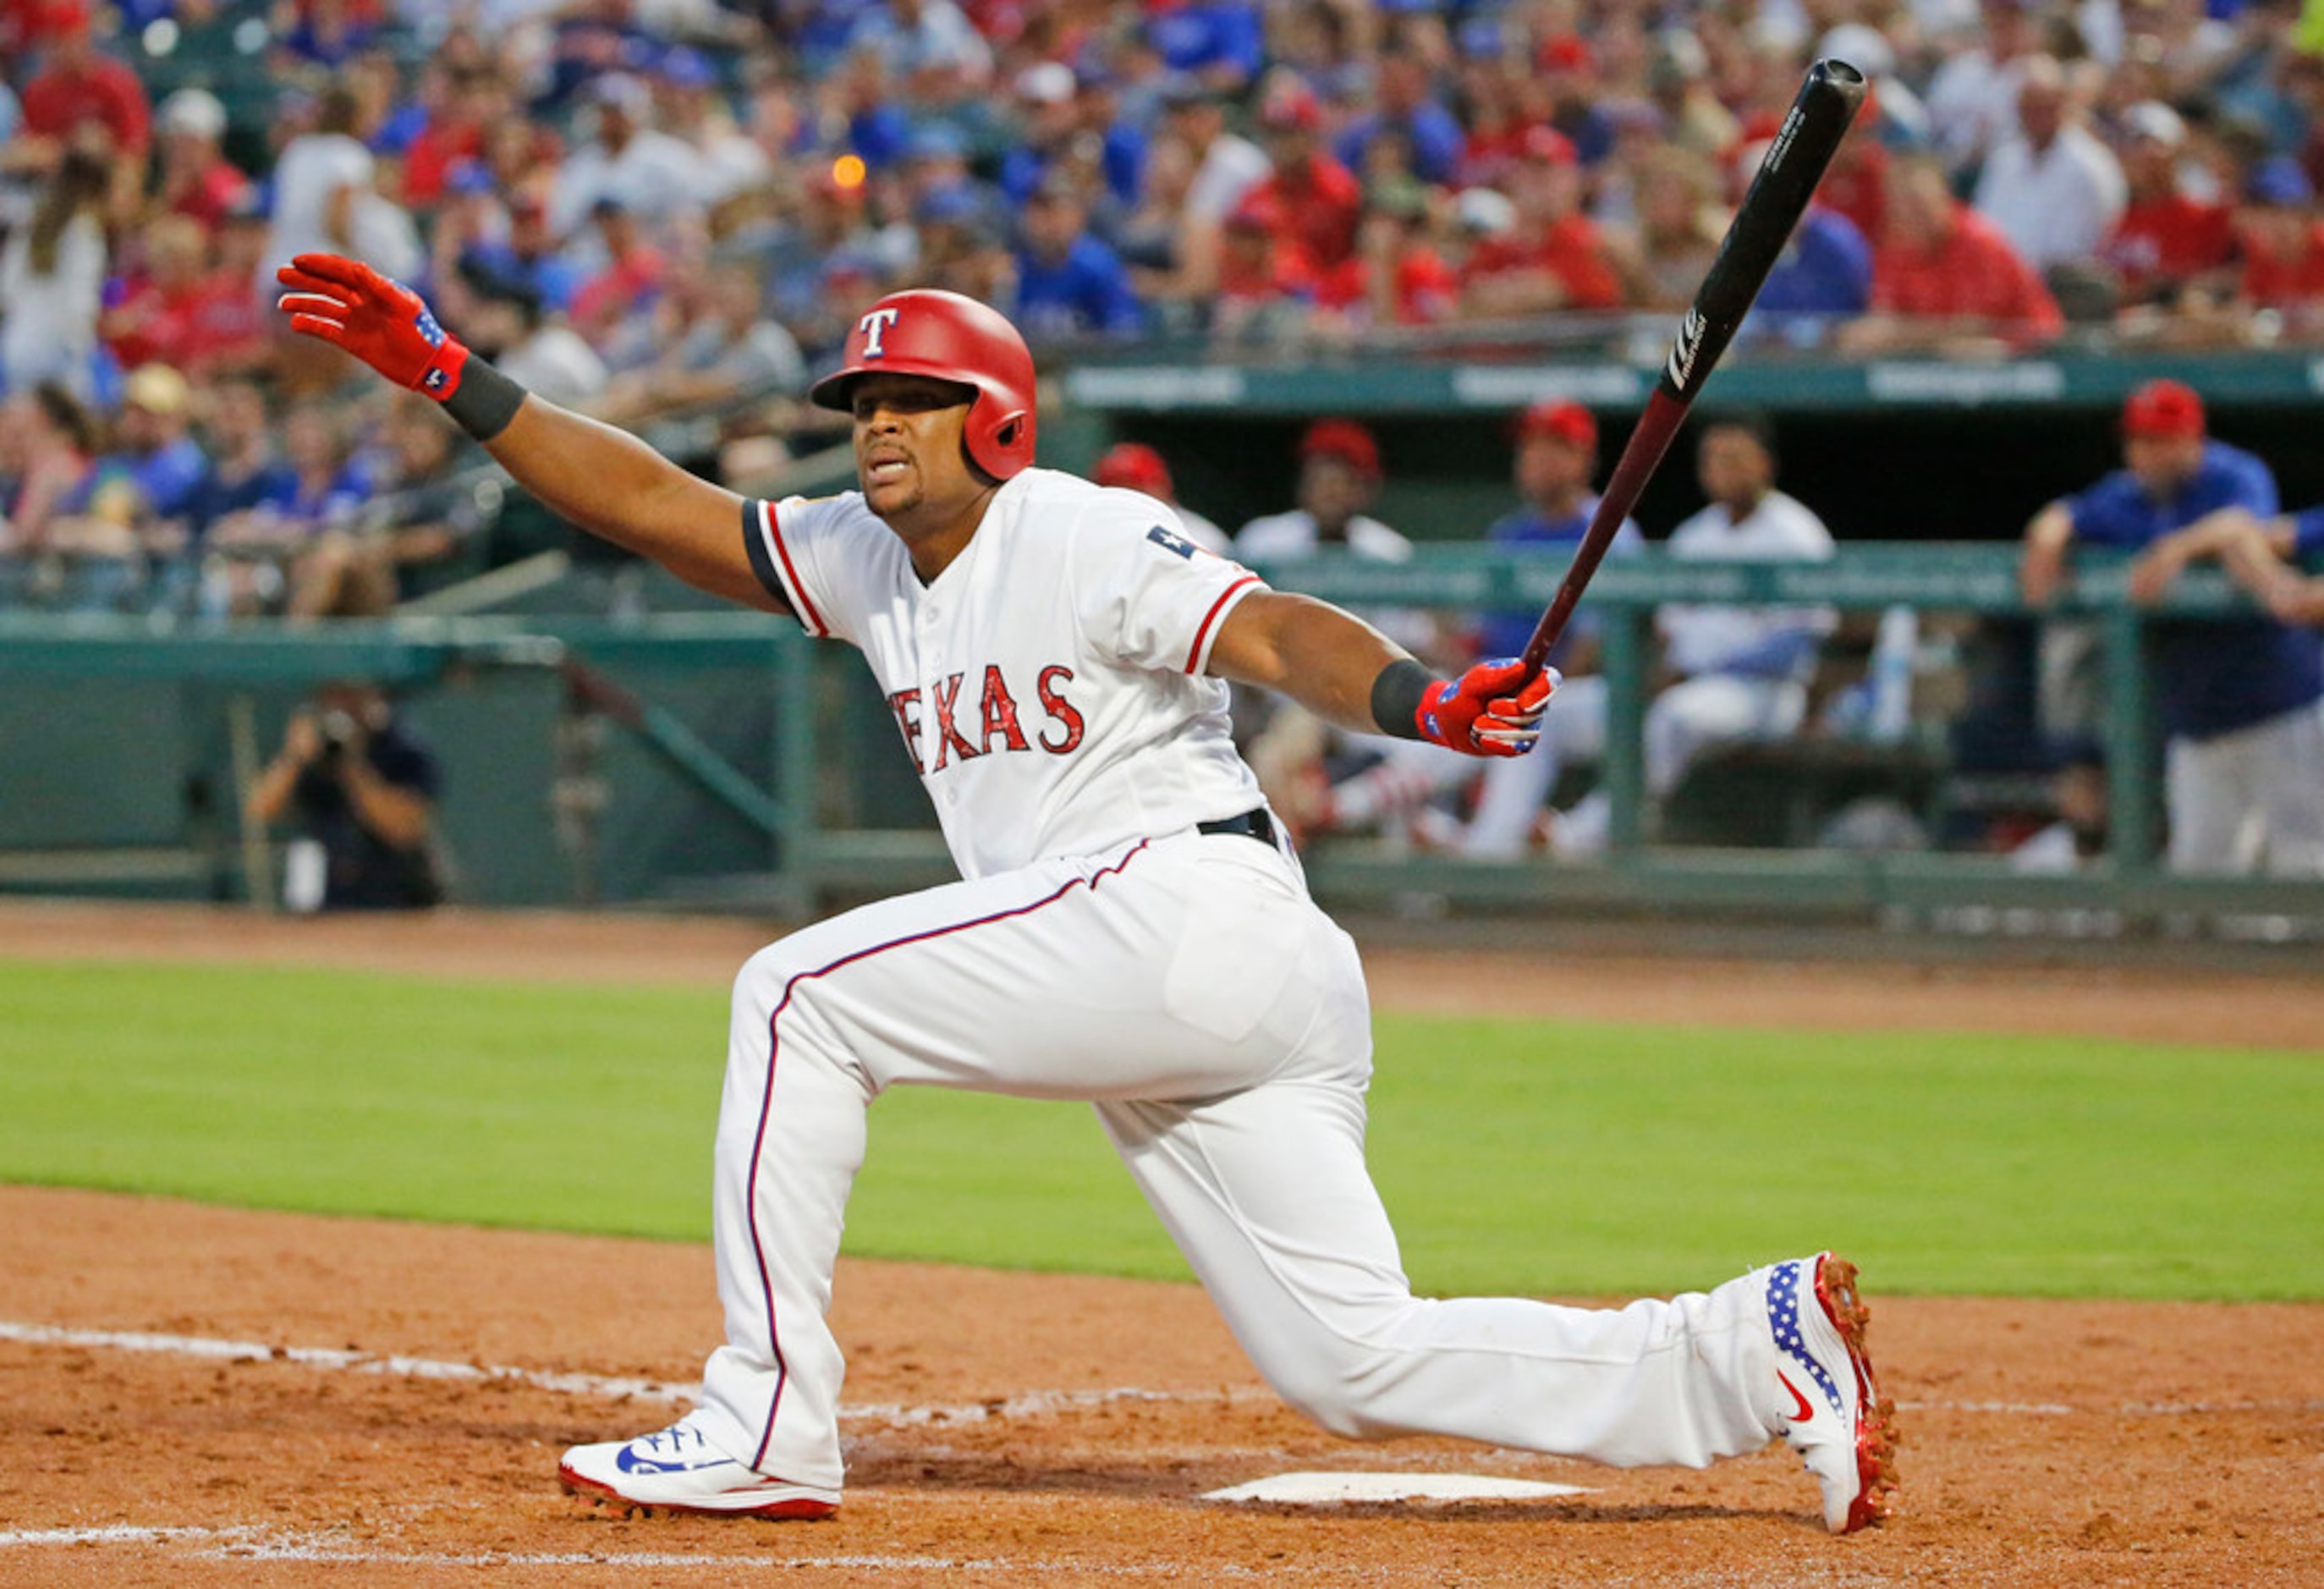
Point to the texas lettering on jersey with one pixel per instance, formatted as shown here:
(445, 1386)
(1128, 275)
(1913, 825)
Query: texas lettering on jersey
(941, 728)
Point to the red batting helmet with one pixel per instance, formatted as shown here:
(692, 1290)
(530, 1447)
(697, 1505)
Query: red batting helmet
(948, 338)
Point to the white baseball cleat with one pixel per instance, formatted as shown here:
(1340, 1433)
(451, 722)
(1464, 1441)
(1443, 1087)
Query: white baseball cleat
(677, 1469)
(1832, 1412)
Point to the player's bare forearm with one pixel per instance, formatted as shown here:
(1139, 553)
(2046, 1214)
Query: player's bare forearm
(618, 489)
(1322, 657)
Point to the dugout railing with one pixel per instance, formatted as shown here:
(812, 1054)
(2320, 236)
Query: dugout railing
(785, 785)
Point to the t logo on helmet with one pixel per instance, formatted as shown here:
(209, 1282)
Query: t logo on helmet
(874, 326)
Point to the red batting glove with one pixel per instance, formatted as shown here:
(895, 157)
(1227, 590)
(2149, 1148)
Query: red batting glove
(380, 321)
(1494, 709)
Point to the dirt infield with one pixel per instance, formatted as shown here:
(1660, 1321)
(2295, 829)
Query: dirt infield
(1008, 1430)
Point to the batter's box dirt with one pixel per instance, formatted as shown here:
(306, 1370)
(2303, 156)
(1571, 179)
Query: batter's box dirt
(2048, 1442)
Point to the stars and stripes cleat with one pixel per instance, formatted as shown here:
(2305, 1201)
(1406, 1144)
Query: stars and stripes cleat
(1833, 1411)
(677, 1469)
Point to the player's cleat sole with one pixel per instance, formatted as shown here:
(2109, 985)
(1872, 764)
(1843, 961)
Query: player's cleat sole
(800, 1506)
(1834, 1415)
(677, 1470)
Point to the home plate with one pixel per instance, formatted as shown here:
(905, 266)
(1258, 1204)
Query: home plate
(1338, 1489)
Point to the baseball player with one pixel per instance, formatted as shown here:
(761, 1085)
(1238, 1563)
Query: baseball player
(1742, 672)
(1556, 457)
(1128, 929)
(2242, 700)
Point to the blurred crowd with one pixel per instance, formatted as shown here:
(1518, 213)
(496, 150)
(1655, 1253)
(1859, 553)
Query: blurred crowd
(641, 206)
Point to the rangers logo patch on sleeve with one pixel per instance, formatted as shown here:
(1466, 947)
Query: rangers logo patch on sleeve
(1170, 540)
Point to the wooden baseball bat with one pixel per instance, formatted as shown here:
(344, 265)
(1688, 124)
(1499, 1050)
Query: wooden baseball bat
(1794, 164)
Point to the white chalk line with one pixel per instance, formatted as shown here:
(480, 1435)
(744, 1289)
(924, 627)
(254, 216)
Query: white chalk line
(893, 1415)
(896, 1415)
(264, 1545)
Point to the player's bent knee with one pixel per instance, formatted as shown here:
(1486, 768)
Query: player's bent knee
(1332, 1387)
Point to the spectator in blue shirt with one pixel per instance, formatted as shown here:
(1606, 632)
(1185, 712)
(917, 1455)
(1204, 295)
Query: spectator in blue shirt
(1069, 283)
(1825, 273)
(1221, 42)
(2242, 700)
(1408, 106)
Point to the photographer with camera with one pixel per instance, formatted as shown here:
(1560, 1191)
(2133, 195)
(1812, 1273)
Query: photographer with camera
(362, 789)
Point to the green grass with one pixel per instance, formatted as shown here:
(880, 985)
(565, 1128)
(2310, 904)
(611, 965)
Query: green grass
(1527, 1157)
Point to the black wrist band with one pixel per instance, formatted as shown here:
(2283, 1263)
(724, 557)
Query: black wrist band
(486, 399)
(1396, 698)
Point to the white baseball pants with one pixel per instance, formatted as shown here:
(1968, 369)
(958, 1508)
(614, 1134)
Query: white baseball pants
(1218, 1020)
(2256, 792)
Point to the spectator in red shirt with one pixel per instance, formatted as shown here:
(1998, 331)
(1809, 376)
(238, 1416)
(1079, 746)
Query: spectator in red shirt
(1944, 278)
(1319, 198)
(2284, 249)
(2165, 238)
(198, 181)
(460, 111)
(153, 322)
(1266, 286)
(634, 275)
(79, 83)
(1397, 276)
(1553, 258)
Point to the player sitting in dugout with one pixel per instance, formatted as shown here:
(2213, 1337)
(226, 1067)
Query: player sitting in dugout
(1129, 929)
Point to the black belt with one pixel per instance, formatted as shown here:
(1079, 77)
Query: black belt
(1254, 824)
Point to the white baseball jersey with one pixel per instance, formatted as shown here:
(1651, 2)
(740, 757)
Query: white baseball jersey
(1713, 639)
(1049, 685)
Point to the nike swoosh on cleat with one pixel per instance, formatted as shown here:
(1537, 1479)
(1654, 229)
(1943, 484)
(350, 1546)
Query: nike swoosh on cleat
(1802, 1412)
(631, 1463)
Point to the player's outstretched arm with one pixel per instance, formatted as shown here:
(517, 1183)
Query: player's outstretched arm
(605, 480)
(1349, 674)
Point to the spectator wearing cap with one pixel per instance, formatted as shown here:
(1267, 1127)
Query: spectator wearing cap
(1737, 672)
(525, 260)
(2239, 700)
(1943, 277)
(156, 451)
(1555, 462)
(2282, 244)
(1407, 106)
(1565, 68)
(1398, 277)
(1340, 474)
(1220, 42)
(2051, 187)
(651, 175)
(1132, 466)
(1265, 288)
(1047, 120)
(1320, 199)
(80, 85)
(1552, 258)
(2167, 238)
(1822, 275)
(195, 178)
(1069, 283)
